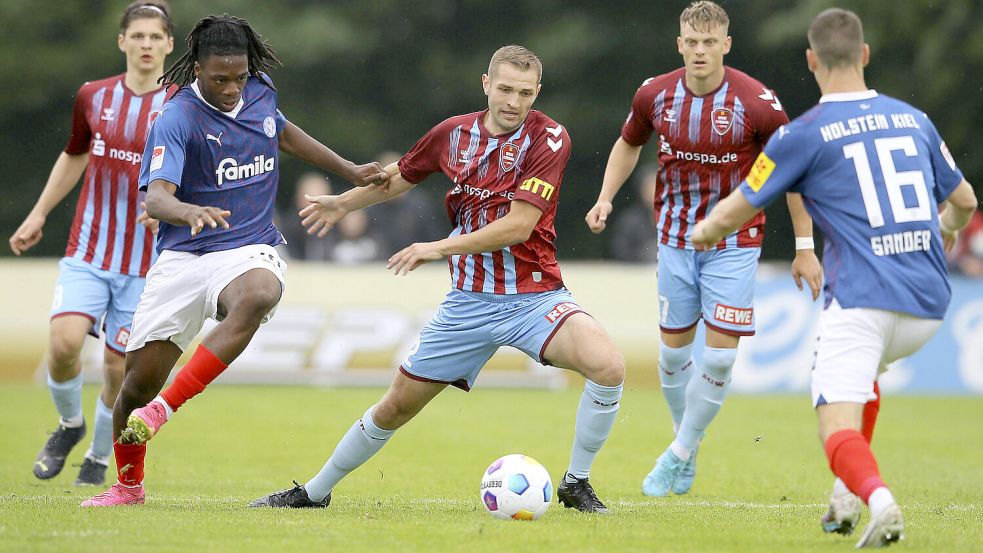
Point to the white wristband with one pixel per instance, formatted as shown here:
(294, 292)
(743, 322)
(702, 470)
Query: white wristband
(804, 243)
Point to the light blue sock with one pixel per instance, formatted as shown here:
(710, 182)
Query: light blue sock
(596, 414)
(675, 369)
(102, 434)
(67, 396)
(704, 396)
(363, 440)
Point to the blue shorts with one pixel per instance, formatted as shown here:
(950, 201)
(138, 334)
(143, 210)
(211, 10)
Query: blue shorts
(469, 327)
(717, 285)
(101, 296)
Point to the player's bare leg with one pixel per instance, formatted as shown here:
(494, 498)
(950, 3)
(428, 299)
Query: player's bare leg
(851, 460)
(404, 399)
(675, 469)
(242, 306)
(582, 345)
(66, 336)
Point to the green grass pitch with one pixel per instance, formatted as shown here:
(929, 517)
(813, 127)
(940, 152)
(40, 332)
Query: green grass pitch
(761, 481)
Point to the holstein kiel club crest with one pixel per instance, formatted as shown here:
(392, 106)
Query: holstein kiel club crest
(508, 155)
(722, 119)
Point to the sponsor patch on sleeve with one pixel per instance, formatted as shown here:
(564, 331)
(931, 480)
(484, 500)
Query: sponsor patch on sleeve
(538, 186)
(157, 160)
(760, 171)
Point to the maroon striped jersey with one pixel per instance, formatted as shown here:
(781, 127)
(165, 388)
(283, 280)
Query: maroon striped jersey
(487, 172)
(110, 122)
(707, 145)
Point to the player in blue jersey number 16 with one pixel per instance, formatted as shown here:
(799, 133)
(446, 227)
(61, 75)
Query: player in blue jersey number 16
(873, 172)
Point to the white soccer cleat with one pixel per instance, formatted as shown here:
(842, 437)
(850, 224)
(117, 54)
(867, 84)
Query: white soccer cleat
(883, 529)
(843, 513)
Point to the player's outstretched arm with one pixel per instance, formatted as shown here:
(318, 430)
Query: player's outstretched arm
(65, 174)
(958, 210)
(515, 227)
(621, 162)
(726, 217)
(806, 265)
(324, 212)
(163, 206)
(294, 141)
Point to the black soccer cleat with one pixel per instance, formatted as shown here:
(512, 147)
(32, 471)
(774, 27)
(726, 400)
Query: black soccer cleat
(51, 458)
(91, 473)
(293, 498)
(580, 495)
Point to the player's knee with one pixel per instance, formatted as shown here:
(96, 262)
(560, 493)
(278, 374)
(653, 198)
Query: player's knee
(674, 357)
(137, 392)
(390, 414)
(610, 371)
(257, 304)
(64, 355)
(718, 362)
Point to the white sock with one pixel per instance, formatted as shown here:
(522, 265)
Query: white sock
(839, 488)
(167, 408)
(879, 500)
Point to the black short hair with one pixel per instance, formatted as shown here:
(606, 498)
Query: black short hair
(221, 35)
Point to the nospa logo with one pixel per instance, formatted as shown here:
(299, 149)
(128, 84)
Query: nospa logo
(230, 170)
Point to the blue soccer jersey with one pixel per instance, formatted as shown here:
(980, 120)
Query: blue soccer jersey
(872, 171)
(228, 160)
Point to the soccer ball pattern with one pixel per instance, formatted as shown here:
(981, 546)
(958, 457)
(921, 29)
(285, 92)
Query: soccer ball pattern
(516, 487)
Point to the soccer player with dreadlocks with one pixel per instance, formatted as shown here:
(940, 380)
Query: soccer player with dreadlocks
(211, 178)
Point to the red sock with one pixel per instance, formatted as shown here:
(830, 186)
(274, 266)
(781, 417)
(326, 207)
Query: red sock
(129, 462)
(850, 458)
(871, 408)
(193, 377)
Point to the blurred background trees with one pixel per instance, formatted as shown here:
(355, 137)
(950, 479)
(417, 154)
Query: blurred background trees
(367, 76)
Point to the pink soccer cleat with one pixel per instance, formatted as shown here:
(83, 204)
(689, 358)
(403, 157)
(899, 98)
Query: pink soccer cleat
(144, 423)
(117, 494)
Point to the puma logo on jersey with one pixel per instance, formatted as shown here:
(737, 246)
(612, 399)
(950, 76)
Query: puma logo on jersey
(217, 139)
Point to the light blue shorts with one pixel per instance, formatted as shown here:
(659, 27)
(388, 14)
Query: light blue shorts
(717, 285)
(469, 327)
(101, 296)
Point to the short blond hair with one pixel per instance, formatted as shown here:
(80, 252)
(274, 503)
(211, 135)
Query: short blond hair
(836, 36)
(704, 16)
(517, 56)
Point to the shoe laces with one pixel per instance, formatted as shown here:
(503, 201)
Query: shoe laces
(583, 487)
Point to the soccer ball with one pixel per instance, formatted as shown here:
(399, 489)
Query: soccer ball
(516, 487)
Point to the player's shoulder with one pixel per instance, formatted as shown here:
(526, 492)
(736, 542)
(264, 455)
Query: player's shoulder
(539, 124)
(91, 87)
(653, 85)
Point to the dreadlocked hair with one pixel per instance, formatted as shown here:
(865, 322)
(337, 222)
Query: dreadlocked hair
(223, 35)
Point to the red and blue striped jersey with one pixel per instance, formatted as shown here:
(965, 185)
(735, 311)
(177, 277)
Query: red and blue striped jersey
(707, 145)
(487, 173)
(110, 123)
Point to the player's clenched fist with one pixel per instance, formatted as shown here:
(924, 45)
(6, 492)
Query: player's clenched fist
(597, 217)
(198, 216)
(413, 256)
(27, 235)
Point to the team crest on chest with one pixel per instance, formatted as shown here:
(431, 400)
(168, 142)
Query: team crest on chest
(507, 157)
(721, 119)
(269, 127)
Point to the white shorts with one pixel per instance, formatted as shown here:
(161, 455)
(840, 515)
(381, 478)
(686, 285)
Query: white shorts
(855, 345)
(183, 288)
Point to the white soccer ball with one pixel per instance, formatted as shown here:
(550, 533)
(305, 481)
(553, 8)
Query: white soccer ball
(516, 487)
